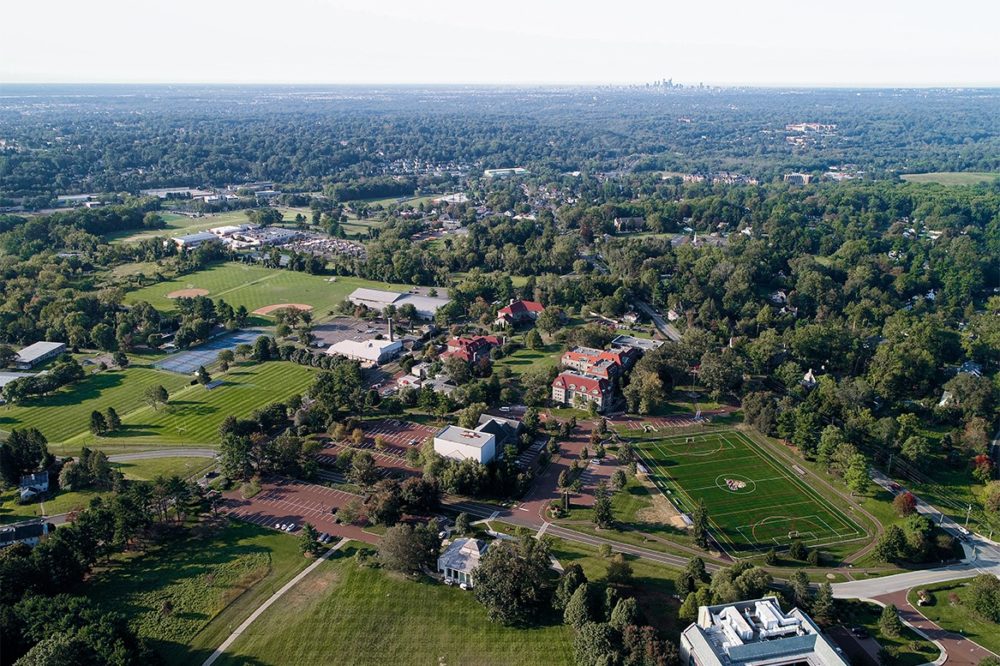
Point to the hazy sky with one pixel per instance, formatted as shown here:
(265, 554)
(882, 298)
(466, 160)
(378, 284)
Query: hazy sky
(763, 42)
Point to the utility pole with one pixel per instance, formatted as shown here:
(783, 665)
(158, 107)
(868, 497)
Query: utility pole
(967, 513)
(888, 468)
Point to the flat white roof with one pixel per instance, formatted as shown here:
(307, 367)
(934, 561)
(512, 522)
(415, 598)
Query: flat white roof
(374, 295)
(458, 435)
(371, 350)
(38, 350)
(200, 236)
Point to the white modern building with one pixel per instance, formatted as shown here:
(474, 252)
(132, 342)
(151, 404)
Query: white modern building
(188, 241)
(374, 352)
(756, 633)
(460, 559)
(34, 354)
(461, 443)
(378, 299)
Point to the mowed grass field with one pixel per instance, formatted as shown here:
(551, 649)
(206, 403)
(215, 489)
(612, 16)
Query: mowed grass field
(753, 500)
(192, 416)
(951, 177)
(345, 614)
(177, 224)
(257, 286)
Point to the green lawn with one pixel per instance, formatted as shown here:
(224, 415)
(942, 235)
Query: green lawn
(147, 470)
(958, 616)
(61, 502)
(343, 613)
(186, 597)
(753, 500)
(192, 416)
(525, 359)
(257, 286)
(66, 413)
(951, 177)
(909, 648)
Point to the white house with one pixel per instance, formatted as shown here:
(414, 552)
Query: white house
(458, 562)
(29, 533)
(461, 443)
(375, 352)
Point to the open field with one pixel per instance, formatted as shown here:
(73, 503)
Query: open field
(951, 177)
(178, 224)
(62, 502)
(147, 470)
(343, 613)
(192, 416)
(212, 583)
(525, 359)
(958, 617)
(66, 413)
(256, 287)
(753, 501)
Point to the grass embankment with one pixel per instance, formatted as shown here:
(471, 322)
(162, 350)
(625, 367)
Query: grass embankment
(187, 596)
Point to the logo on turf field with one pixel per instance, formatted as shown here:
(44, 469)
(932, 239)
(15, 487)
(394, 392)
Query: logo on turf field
(735, 484)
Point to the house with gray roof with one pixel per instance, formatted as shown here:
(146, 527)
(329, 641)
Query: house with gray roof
(460, 559)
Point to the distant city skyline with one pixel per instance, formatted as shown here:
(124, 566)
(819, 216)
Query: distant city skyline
(917, 43)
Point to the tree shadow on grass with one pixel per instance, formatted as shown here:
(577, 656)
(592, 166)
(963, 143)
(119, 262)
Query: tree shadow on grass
(89, 388)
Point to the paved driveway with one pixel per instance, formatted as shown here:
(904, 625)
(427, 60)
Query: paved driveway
(961, 651)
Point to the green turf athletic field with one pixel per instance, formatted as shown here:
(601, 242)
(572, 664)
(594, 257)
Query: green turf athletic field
(257, 286)
(754, 501)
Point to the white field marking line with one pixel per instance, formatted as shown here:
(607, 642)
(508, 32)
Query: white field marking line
(716, 487)
(690, 501)
(807, 490)
(267, 604)
(733, 513)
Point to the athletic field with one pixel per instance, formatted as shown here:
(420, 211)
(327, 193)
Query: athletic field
(256, 287)
(754, 501)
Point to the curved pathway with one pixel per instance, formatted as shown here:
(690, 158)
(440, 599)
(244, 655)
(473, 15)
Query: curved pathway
(955, 649)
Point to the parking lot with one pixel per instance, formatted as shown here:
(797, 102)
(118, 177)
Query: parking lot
(399, 435)
(284, 501)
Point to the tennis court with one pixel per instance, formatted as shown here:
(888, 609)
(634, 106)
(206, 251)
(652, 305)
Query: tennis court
(754, 501)
(187, 361)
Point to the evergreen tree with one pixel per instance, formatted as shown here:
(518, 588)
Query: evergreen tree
(700, 525)
(889, 623)
(823, 610)
(98, 424)
(113, 420)
(603, 512)
(579, 610)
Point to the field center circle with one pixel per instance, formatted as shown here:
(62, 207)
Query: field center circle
(736, 483)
